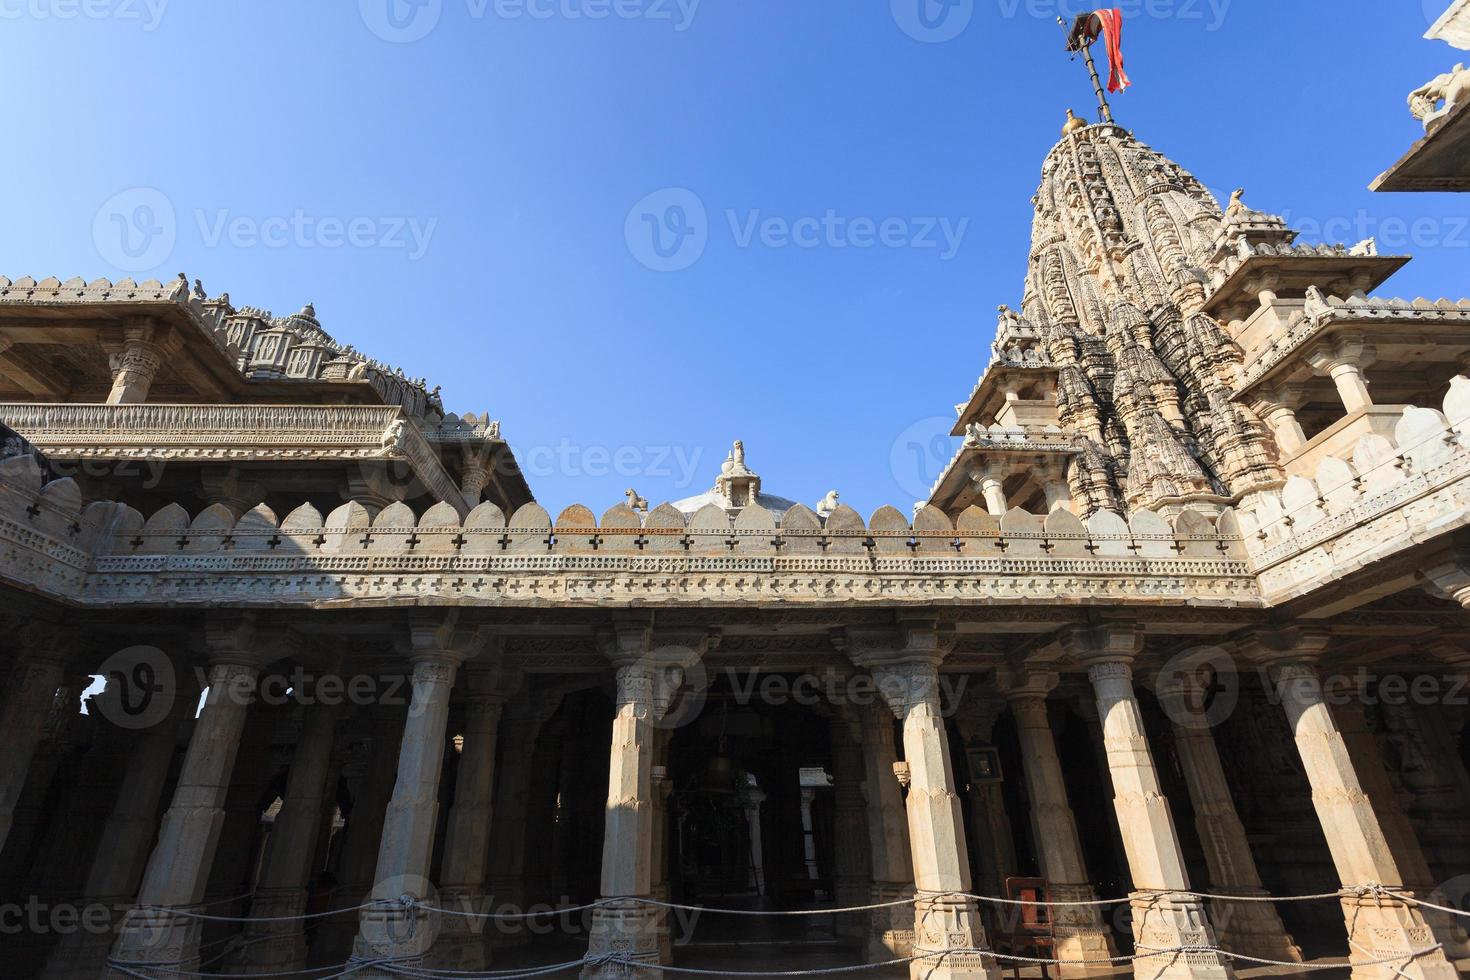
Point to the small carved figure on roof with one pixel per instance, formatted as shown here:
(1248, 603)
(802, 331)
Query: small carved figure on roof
(828, 504)
(637, 503)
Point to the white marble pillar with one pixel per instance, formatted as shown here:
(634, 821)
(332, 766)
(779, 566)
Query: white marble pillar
(1251, 927)
(648, 672)
(891, 930)
(1162, 918)
(461, 945)
(948, 933)
(29, 693)
(1080, 932)
(281, 889)
(117, 866)
(179, 865)
(396, 927)
(1377, 926)
(757, 851)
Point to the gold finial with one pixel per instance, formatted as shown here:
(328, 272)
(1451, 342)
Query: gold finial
(1074, 123)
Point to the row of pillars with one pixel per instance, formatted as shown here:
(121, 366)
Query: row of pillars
(918, 852)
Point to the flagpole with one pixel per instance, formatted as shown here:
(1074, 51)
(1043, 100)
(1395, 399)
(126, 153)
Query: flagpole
(1074, 43)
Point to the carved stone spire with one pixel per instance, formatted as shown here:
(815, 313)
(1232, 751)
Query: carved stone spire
(1124, 247)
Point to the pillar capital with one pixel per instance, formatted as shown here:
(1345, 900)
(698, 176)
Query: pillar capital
(1449, 574)
(1281, 647)
(443, 639)
(238, 641)
(915, 641)
(1091, 646)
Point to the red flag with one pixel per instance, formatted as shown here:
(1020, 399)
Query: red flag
(1109, 24)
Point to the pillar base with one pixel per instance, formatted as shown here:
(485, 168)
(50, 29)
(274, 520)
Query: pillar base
(274, 947)
(1379, 927)
(155, 936)
(462, 943)
(1080, 933)
(629, 933)
(1448, 929)
(891, 930)
(404, 934)
(1165, 921)
(948, 934)
(1253, 928)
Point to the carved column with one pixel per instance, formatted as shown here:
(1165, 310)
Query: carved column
(1251, 927)
(122, 851)
(947, 928)
(1162, 918)
(285, 871)
(364, 832)
(623, 929)
(851, 881)
(1343, 361)
(891, 930)
(1398, 830)
(1080, 932)
(461, 944)
(1378, 926)
(991, 481)
(178, 868)
(1278, 408)
(135, 358)
(993, 848)
(398, 928)
(29, 693)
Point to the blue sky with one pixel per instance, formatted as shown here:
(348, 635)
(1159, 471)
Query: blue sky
(470, 204)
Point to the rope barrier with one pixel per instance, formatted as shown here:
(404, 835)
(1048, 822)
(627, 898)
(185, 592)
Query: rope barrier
(1371, 889)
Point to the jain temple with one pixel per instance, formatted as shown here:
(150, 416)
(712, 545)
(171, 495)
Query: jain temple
(1175, 654)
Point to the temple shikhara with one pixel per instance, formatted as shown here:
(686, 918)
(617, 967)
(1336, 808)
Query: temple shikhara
(1176, 651)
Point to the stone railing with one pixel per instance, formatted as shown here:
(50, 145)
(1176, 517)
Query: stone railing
(1040, 439)
(109, 554)
(1390, 496)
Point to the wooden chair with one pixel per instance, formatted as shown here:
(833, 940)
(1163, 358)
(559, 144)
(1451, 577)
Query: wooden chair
(1031, 931)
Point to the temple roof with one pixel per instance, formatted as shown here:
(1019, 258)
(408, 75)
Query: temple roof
(736, 488)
